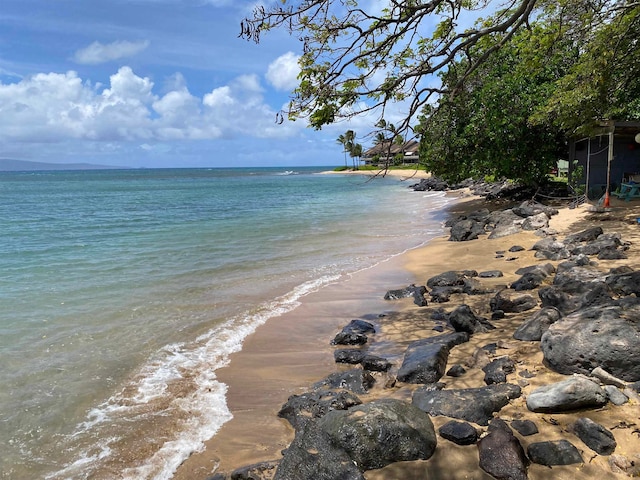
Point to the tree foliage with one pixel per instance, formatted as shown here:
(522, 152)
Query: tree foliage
(355, 60)
(485, 129)
(495, 98)
(604, 81)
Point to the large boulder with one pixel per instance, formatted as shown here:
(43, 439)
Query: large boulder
(314, 456)
(503, 223)
(299, 409)
(465, 230)
(501, 454)
(423, 363)
(571, 394)
(604, 336)
(381, 432)
(355, 380)
(475, 405)
(627, 283)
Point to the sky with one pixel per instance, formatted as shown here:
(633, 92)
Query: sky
(150, 83)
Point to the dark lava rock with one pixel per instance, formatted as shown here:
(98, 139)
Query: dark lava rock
(553, 296)
(348, 355)
(423, 363)
(313, 455)
(588, 235)
(425, 360)
(475, 405)
(491, 274)
(257, 471)
(511, 302)
(465, 230)
(533, 328)
(594, 436)
(460, 433)
(561, 452)
(501, 454)
(350, 338)
(529, 208)
(462, 319)
(497, 370)
(524, 427)
(375, 364)
(301, 408)
(497, 315)
(381, 432)
(571, 394)
(451, 278)
(625, 283)
(456, 371)
(411, 291)
(355, 380)
(342, 444)
(605, 336)
(516, 248)
(359, 326)
(532, 277)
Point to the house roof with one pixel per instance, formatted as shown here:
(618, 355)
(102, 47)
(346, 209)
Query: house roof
(389, 148)
(619, 128)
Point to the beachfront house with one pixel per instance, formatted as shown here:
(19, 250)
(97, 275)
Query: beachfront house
(390, 153)
(609, 154)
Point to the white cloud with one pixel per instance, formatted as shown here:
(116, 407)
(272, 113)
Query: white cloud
(54, 107)
(283, 72)
(97, 52)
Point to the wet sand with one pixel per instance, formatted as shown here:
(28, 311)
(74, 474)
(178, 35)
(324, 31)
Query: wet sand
(288, 354)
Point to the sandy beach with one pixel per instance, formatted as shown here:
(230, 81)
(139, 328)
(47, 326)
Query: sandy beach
(286, 356)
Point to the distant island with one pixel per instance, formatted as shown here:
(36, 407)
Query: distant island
(8, 165)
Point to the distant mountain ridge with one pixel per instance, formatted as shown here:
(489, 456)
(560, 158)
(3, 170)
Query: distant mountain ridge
(8, 165)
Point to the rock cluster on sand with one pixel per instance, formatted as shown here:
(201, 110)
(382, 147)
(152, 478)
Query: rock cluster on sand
(584, 318)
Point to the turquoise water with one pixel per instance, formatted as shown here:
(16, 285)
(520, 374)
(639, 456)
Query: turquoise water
(122, 292)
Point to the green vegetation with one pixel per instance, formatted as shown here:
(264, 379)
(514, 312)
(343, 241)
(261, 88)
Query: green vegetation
(511, 90)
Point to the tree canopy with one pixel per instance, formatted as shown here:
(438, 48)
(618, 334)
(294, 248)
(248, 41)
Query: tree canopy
(527, 74)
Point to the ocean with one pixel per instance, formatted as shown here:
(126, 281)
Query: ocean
(123, 291)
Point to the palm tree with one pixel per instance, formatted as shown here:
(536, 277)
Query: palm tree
(342, 140)
(350, 137)
(356, 152)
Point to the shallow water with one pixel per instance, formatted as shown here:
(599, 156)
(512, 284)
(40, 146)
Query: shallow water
(122, 292)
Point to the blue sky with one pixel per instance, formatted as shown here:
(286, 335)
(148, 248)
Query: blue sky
(150, 83)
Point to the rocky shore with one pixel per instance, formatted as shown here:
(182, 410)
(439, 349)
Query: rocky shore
(520, 361)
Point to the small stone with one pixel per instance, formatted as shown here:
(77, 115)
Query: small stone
(524, 427)
(456, 371)
(595, 436)
(460, 433)
(561, 452)
(615, 395)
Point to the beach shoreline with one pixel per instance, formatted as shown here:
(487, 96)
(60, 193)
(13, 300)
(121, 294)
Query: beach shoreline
(287, 356)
